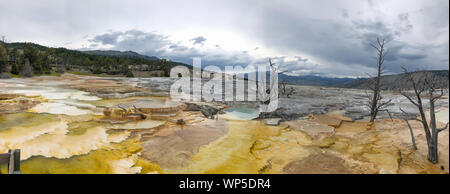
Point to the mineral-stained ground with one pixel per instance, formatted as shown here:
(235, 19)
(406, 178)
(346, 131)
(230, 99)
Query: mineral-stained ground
(82, 124)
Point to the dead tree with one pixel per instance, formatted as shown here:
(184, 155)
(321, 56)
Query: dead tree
(282, 87)
(435, 92)
(271, 93)
(411, 131)
(274, 70)
(376, 102)
(291, 92)
(267, 94)
(283, 90)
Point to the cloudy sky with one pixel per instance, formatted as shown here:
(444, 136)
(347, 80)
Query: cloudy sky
(305, 37)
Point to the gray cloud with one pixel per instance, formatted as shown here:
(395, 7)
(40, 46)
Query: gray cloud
(346, 43)
(345, 13)
(403, 16)
(413, 56)
(105, 39)
(154, 44)
(198, 40)
(352, 61)
(296, 66)
(135, 40)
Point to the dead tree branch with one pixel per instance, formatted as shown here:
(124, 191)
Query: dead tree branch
(431, 131)
(413, 140)
(375, 102)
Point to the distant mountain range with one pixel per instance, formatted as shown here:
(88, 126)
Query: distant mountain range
(311, 80)
(389, 82)
(400, 81)
(126, 54)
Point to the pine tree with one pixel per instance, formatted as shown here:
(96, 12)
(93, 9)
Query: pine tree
(15, 69)
(3, 58)
(129, 74)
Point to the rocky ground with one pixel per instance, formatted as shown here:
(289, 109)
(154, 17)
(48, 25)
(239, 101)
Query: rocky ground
(130, 125)
(12, 103)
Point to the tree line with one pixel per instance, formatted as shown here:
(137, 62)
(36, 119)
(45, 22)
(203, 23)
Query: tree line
(29, 59)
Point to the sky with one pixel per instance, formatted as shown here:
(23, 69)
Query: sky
(303, 37)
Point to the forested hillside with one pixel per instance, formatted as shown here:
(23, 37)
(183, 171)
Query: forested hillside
(29, 59)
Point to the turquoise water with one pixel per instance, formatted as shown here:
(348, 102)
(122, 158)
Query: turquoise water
(242, 113)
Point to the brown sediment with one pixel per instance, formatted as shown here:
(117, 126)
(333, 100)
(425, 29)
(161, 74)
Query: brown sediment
(142, 127)
(318, 164)
(352, 127)
(100, 87)
(172, 147)
(145, 108)
(312, 128)
(110, 102)
(397, 134)
(339, 114)
(4, 96)
(248, 147)
(96, 86)
(13, 103)
(326, 120)
(387, 148)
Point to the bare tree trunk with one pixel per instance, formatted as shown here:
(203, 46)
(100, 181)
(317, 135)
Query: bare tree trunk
(376, 93)
(433, 150)
(413, 140)
(431, 130)
(375, 101)
(433, 145)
